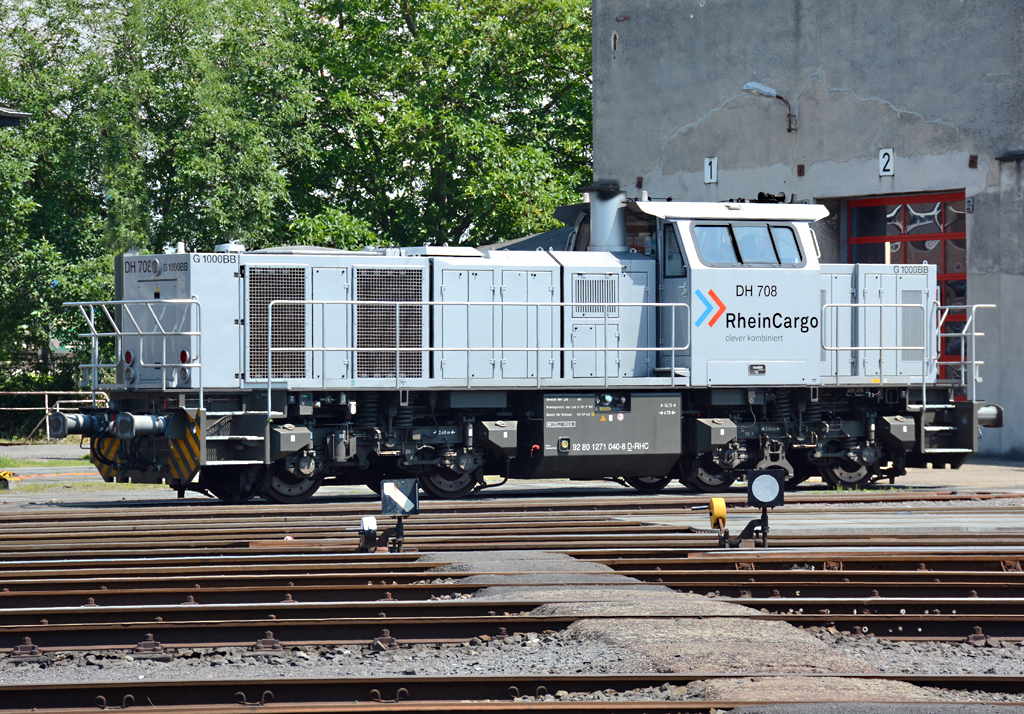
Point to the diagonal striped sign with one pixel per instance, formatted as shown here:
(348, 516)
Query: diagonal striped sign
(184, 459)
(103, 455)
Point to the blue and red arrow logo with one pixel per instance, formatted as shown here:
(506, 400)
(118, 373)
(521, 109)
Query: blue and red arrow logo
(708, 307)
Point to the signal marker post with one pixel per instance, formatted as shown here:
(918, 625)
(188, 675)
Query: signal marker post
(399, 498)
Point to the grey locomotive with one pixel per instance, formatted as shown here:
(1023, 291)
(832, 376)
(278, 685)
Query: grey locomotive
(672, 340)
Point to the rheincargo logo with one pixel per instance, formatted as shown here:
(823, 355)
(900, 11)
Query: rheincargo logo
(708, 307)
(778, 321)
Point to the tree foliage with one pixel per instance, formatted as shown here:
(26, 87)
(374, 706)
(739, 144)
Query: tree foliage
(332, 122)
(453, 121)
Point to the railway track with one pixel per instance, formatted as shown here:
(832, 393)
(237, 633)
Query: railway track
(213, 576)
(969, 584)
(171, 531)
(188, 626)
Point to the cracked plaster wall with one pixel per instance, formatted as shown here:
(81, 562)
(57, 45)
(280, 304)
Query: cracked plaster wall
(937, 80)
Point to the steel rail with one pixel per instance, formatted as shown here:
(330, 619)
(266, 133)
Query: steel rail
(53, 593)
(411, 690)
(194, 609)
(296, 623)
(405, 707)
(509, 502)
(425, 532)
(173, 518)
(625, 534)
(917, 563)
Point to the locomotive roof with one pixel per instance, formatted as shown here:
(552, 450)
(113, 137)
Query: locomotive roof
(732, 211)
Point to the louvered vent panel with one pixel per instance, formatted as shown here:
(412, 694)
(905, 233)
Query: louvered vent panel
(593, 296)
(376, 330)
(913, 325)
(289, 329)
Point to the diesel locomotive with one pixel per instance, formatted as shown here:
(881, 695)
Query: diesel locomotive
(671, 340)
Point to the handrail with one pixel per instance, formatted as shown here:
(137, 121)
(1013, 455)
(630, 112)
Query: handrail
(966, 364)
(940, 313)
(398, 350)
(881, 335)
(926, 363)
(118, 333)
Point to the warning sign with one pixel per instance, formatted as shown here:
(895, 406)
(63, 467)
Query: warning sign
(400, 497)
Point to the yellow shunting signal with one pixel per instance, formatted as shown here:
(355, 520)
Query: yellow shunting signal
(717, 512)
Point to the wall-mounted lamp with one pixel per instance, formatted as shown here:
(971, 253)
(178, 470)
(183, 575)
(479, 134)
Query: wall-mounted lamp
(763, 91)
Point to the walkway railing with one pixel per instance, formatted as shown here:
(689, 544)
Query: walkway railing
(397, 350)
(103, 325)
(934, 319)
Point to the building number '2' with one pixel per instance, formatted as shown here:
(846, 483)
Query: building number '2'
(886, 162)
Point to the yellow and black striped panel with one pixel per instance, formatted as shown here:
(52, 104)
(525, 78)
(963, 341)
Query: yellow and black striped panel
(103, 455)
(185, 453)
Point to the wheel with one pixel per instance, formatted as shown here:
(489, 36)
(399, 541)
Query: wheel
(285, 487)
(230, 484)
(846, 474)
(372, 477)
(706, 476)
(445, 483)
(648, 484)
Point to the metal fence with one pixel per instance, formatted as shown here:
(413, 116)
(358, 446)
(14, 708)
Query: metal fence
(48, 407)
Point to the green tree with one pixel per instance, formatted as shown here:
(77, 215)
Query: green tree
(332, 122)
(156, 121)
(152, 121)
(335, 229)
(449, 120)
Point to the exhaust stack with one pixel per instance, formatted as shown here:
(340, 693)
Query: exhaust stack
(607, 217)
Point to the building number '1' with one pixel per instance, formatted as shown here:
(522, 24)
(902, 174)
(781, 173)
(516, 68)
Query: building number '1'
(711, 170)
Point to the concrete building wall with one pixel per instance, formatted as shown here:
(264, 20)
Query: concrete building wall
(938, 81)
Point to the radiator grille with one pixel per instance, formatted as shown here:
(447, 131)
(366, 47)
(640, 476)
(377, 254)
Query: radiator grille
(913, 325)
(594, 296)
(375, 324)
(289, 328)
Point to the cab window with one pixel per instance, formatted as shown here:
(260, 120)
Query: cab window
(674, 265)
(747, 244)
(786, 245)
(716, 244)
(755, 243)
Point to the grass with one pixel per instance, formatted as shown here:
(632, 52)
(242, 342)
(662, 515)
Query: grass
(7, 462)
(26, 486)
(41, 440)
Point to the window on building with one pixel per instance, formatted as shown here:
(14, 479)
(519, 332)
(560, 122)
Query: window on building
(930, 228)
